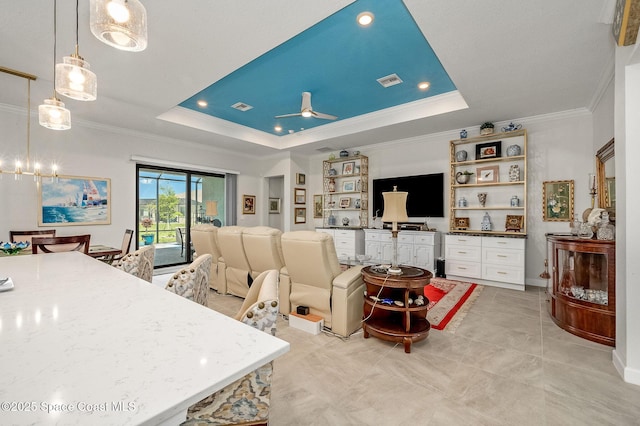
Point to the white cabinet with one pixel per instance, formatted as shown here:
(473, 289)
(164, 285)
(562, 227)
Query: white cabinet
(348, 242)
(497, 261)
(415, 248)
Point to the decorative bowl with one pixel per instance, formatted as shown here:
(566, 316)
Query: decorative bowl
(13, 248)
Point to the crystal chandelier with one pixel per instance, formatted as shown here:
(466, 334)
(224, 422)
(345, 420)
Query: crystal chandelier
(119, 23)
(74, 79)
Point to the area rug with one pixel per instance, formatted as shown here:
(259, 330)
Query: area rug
(449, 302)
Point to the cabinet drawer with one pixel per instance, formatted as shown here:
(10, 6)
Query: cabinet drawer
(463, 269)
(505, 243)
(326, 231)
(500, 256)
(405, 238)
(469, 253)
(344, 233)
(428, 239)
(463, 240)
(372, 236)
(345, 244)
(503, 273)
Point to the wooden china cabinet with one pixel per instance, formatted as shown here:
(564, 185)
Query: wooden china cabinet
(581, 291)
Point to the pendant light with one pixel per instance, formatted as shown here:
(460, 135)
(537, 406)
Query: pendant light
(52, 114)
(74, 79)
(119, 23)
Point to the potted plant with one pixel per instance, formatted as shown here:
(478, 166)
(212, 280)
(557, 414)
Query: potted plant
(463, 177)
(147, 222)
(486, 128)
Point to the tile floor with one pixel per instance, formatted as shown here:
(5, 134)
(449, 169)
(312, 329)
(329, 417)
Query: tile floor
(506, 364)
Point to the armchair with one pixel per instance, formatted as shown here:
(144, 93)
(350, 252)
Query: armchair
(205, 241)
(312, 277)
(234, 271)
(263, 248)
(139, 263)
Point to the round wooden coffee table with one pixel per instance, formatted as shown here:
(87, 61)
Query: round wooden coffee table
(390, 309)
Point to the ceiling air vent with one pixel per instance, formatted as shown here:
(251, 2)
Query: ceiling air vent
(389, 80)
(241, 106)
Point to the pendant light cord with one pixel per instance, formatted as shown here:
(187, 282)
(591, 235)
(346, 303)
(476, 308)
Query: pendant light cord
(55, 33)
(28, 123)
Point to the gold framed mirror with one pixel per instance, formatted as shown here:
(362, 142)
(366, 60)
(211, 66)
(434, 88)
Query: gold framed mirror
(606, 175)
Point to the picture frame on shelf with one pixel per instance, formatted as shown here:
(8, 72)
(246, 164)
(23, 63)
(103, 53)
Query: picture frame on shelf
(461, 223)
(488, 174)
(274, 205)
(300, 196)
(301, 179)
(300, 215)
(348, 167)
(514, 223)
(248, 204)
(557, 201)
(345, 202)
(348, 186)
(488, 150)
(317, 206)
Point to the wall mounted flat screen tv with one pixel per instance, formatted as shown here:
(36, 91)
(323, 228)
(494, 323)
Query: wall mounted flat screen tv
(426, 194)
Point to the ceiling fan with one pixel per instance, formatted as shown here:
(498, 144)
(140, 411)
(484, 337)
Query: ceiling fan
(306, 110)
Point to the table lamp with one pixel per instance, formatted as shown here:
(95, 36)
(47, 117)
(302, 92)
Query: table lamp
(395, 210)
(212, 209)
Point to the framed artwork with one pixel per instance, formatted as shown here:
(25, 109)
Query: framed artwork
(348, 186)
(74, 200)
(274, 205)
(317, 206)
(557, 198)
(461, 223)
(610, 195)
(487, 174)
(300, 196)
(300, 215)
(248, 204)
(300, 179)
(488, 150)
(514, 223)
(348, 167)
(345, 202)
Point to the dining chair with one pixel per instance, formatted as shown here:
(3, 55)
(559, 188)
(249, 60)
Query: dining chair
(192, 282)
(139, 263)
(247, 400)
(180, 235)
(126, 246)
(60, 244)
(27, 236)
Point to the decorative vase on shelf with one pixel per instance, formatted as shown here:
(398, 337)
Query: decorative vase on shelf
(515, 201)
(462, 202)
(514, 173)
(463, 134)
(332, 185)
(585, 231)
(332, 220)
(461, 155)
(486, 222)
(344, 153)
(486, 128)
(345, 221)
(513, 150)
(482, 197)
(463, 177)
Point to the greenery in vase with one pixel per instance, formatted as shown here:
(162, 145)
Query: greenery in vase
(13, 248)
(146, 222)
(487, 125)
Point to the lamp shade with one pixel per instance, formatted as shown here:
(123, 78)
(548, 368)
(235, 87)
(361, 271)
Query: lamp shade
(119, 23)
(75, 80)
(212, 208)
(395, 206)
(53, 115)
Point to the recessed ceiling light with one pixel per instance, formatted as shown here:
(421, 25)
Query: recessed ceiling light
(365, 19)
(277, 129)
(424, 85)
(202, 103)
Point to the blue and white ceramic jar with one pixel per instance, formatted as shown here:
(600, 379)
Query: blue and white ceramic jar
(463, 134)
(513, 150)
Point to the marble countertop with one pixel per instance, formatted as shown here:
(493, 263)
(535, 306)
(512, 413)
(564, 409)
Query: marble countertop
(84, 343)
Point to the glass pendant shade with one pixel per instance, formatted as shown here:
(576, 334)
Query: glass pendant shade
(53, 115)
(75, 80)
(119, 23)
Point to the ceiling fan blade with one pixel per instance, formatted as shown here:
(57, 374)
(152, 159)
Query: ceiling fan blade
(306, 102)
(323, 115)
(297, 114)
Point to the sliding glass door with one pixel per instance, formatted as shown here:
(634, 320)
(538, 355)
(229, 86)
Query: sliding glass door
(170, 202)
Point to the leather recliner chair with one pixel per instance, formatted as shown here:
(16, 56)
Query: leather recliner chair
(205, 241)
(263, 248)
(234, 271)
(312, 277)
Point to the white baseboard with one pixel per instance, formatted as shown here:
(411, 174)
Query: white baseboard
(629, 375)
(536, 282)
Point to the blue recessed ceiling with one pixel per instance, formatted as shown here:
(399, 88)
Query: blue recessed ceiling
(339, 62)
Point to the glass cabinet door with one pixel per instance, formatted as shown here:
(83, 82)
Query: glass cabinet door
(583, 276)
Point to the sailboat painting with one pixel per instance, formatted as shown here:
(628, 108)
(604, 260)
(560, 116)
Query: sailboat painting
(74, 200)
